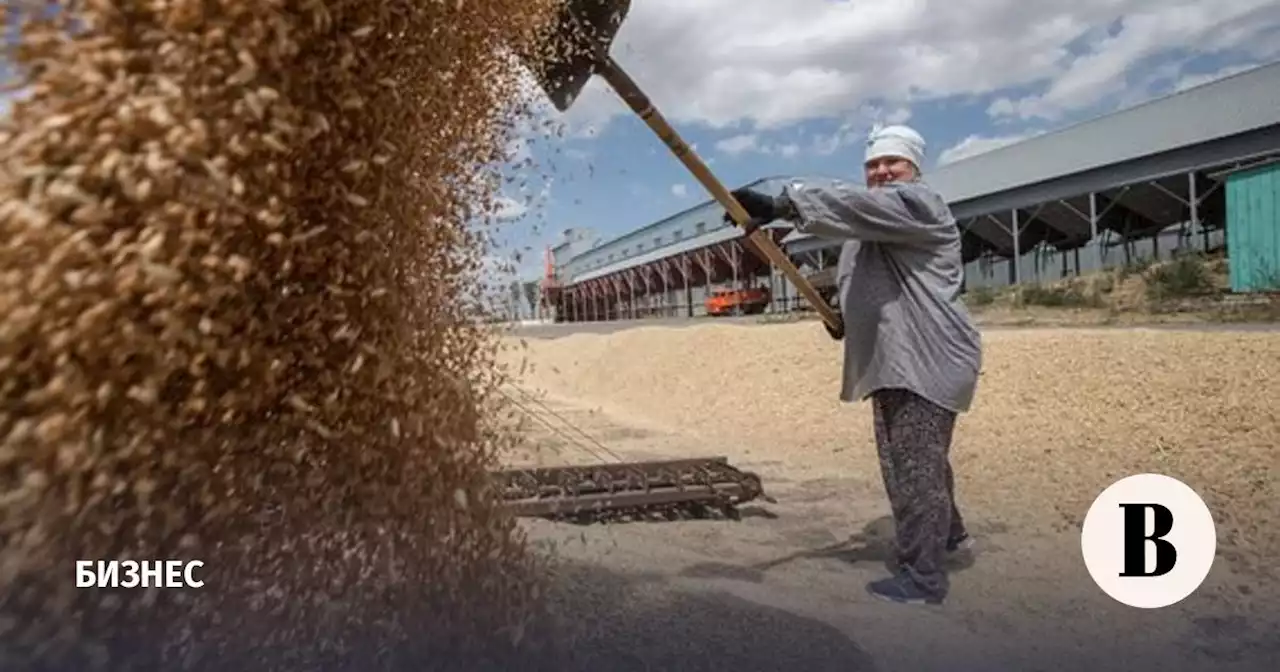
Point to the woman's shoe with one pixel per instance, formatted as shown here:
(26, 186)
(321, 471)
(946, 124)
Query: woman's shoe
(902, 590)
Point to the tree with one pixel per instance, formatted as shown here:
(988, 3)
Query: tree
(531, 295)
(517, 295)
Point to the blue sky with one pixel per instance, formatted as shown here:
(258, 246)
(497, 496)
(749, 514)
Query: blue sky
(762, 87)
(767, 87)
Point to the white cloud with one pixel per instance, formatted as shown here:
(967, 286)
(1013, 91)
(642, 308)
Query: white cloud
(1201, 78)
(737, 144)
(974, 145)
(754, 143)
(1150, 30)
(855, 126)
(679, 190)
(851, 131)
(497, 266)
(509, 208)
(899, 116)
(506, 264)
(755, 66)
(595, 106)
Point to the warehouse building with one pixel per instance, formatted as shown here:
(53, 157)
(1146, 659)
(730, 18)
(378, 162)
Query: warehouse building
(1199, 169)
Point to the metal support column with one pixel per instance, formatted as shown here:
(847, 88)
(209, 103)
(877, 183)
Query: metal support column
(1093, 231)
(631, 286)
(665, 303)
(786, 296)
(708, 269)
(646, 273)
(686, 267)
(731, 252)
(1194, 206)
(617, 293)
(773, 290)
(1016, 276)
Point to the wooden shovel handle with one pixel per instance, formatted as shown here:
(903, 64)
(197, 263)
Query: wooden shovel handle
(639, 103)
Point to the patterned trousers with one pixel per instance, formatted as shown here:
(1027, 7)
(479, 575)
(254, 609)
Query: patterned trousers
(913, 439)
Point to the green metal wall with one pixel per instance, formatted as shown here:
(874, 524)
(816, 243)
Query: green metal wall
(1253, 229)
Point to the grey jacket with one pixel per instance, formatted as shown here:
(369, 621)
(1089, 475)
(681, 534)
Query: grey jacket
(900, 276)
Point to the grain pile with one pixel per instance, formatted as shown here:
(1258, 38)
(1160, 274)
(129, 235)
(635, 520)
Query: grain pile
(1059, 415)
(237, 328)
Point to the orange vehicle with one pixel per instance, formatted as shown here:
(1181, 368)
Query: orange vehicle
(738, 301)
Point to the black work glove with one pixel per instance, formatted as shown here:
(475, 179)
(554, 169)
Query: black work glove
(758, 205)
(762, 208)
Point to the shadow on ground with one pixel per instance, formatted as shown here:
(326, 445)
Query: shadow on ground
(599, 620)
(874, 544)
(621, 623)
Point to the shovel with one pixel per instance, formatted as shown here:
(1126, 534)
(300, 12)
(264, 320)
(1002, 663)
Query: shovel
(577, 48)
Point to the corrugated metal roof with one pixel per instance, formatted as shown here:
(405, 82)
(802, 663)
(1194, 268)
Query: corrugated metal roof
(1236, 104)
(632, 236)
(717, 236)
(1242, 102)
(622, 249)
(1197, 115)
(574, 267)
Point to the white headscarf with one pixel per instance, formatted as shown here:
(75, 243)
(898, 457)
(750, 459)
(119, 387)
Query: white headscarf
(899, 141)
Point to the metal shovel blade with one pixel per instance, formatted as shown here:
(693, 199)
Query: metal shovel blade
(577, 44)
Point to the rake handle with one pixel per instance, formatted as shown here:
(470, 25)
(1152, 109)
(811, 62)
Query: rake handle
(635, 98)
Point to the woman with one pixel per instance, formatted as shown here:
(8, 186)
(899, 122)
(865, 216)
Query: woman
(910, 345)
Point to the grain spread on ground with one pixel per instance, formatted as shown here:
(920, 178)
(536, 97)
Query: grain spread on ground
(1059, 414)
(239, 326)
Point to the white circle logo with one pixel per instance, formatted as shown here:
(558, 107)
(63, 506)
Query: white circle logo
(1149, 541)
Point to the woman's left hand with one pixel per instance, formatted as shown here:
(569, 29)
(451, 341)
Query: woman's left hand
(760, 206)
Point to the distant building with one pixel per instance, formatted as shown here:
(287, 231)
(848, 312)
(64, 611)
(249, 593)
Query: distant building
(1144, 182)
